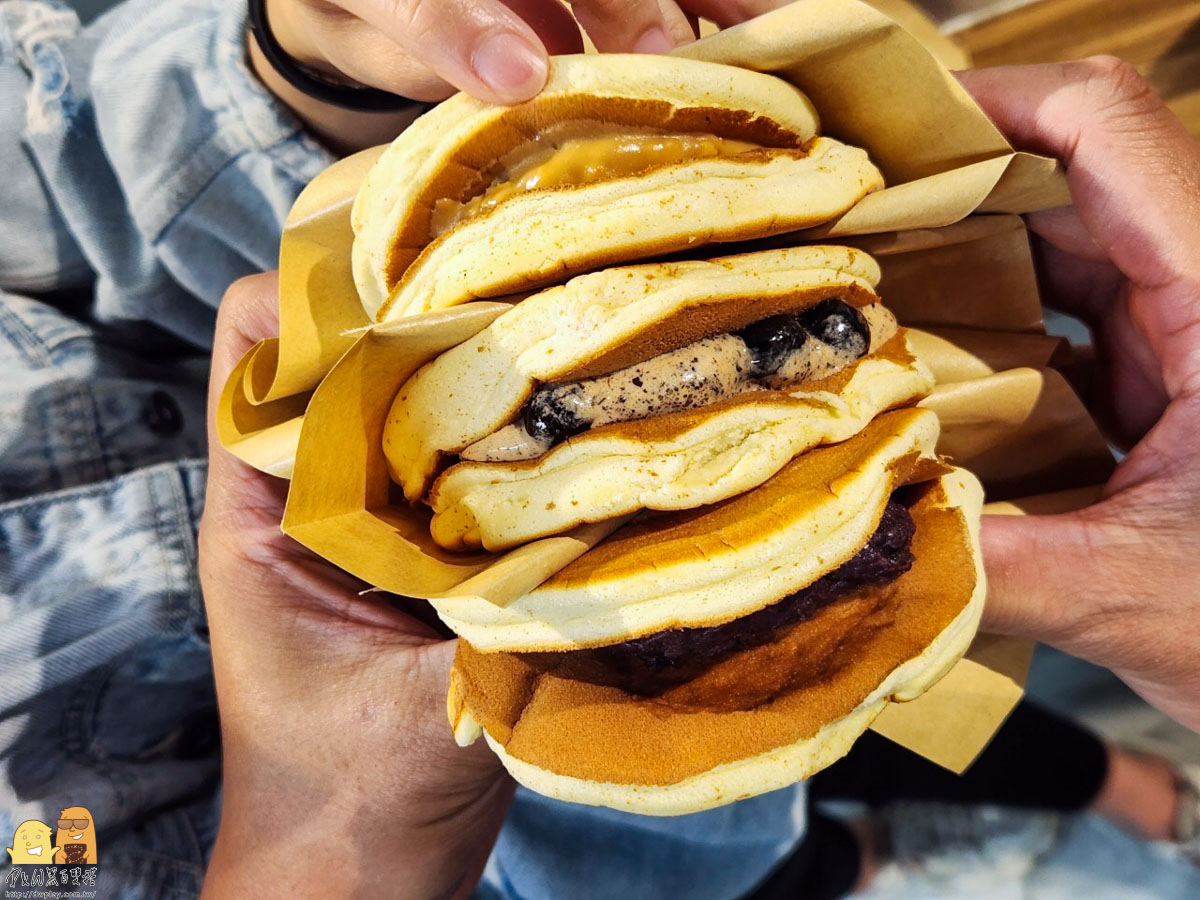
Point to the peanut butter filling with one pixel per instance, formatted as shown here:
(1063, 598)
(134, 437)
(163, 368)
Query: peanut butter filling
(548, 162)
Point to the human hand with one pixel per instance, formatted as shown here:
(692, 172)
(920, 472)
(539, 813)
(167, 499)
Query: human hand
(341, 775)
(493, 49)
(1115, 583)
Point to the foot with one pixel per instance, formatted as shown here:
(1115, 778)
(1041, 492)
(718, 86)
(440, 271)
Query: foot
(1140, 795)
(945, 850)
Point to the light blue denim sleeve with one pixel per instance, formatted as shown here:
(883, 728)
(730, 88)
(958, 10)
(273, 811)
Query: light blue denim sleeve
(549, 849)
(143, 156)
(106, 695)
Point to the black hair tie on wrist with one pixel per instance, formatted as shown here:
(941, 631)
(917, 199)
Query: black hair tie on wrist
(307, 81)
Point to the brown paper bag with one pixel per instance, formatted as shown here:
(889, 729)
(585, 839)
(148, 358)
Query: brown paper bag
(340, 504)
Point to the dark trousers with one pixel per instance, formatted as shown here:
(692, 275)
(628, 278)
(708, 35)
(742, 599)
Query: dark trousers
(1036, 761)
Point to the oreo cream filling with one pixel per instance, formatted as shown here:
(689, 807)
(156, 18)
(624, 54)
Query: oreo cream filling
(772, 354)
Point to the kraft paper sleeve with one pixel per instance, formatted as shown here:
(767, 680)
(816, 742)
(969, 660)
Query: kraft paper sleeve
(876, 86)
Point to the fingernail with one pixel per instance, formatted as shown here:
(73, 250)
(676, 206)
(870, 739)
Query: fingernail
(509, 66)
(653, 40)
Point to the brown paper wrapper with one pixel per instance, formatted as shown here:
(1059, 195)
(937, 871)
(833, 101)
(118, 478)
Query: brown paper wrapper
(876, 86)
(312, 402)
(342, 504)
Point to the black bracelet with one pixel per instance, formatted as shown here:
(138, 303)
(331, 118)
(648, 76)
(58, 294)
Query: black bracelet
(307, 81)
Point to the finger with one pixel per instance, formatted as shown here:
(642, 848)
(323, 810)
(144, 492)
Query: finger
(249, 312)
(1029, 592)
(478, 46)
(360, 51)
(1127, 394)
(1166, 455)
(1134, 174)
(1134, 171)
(731, 12)
(1062, 228)
(1107, 592)
(1131, 378)
(637, 26)
(1071, 282)
(1052, 576)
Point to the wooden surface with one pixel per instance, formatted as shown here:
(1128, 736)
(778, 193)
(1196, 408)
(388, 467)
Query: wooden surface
(1161, 37)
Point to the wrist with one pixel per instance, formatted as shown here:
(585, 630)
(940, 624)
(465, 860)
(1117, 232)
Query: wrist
(343, 130)
(310, 844)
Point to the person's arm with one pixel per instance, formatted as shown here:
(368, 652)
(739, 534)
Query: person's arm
(341, 775)
(1115, 583)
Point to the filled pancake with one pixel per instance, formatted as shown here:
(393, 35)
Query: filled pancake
(598, 324)
(758, 715)
(619, 158)
(677, 461)
(714, 564)
(659, 386)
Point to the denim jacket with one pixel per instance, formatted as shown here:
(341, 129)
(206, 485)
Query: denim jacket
(144, 170)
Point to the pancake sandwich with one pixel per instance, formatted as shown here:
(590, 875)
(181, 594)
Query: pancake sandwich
(621, 157)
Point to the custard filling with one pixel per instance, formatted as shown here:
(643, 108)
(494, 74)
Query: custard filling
(550, 161)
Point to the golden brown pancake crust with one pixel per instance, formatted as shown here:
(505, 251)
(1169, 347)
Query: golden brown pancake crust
(822, 668)
(437, 411)
(740, 521)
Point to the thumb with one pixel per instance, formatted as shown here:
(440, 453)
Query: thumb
(1038, 569)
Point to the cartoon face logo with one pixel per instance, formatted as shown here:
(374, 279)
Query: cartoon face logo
(76, 838)
(31, 844)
